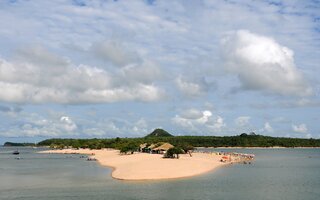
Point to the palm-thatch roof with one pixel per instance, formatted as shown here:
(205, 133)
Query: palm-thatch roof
(144, 145)
(163, 147)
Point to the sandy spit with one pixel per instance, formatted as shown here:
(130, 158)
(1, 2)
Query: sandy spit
(143, 166)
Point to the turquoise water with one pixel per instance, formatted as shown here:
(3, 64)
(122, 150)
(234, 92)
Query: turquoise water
(276, 174)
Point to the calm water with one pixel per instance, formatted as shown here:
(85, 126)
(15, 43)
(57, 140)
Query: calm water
(276, 174)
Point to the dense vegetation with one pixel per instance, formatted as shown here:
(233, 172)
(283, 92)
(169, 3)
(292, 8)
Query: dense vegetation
(14, 144)
(243, 140)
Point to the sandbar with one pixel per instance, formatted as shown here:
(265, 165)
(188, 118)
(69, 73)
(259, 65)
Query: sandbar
(145, 166)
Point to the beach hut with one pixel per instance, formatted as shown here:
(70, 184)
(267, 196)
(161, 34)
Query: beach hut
(147, 148)
(162, 149)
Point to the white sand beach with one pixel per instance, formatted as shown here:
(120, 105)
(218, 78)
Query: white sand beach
(144, 166)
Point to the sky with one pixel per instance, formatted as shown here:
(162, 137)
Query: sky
(104, 69)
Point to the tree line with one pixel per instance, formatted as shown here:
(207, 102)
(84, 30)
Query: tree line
(243, 140)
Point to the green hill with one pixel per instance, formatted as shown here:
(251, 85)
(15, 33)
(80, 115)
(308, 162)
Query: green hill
(159, 133)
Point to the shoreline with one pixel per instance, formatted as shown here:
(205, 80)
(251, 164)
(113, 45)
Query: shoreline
(144, 166)
(274, 147)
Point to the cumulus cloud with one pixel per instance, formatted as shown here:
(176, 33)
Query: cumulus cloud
(101, 50)
(196, 120)
(191, 88)
(262, 64)
(268, 127)
(242, 121)
(300, 128)
(191, 114)
(115, 127)
(218, 124)
(35, 125)
(145, 72)
(45, 77)
(115, 52)
(68, 124)
(57, 124)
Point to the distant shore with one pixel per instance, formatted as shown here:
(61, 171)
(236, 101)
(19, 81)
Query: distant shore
(144, 166)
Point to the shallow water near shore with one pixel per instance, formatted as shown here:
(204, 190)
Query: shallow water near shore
(275, 174)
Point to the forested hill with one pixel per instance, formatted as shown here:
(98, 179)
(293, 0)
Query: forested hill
(243, 140)
(159, 133)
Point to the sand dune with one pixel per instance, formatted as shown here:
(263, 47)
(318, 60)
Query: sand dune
(143, 166)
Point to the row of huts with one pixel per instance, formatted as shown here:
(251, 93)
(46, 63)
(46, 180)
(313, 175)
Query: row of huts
(161, 148)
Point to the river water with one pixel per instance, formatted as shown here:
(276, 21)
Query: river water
(274, 175)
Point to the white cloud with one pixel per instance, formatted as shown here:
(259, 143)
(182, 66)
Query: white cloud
(57, 124)
(263, 64)
(35, 125)
(44, 77)
(191, 114)
(115, 52)
(111, 51)
(217, 124)
(242, 121)
(145, 72)
(191, 88)
(183, 122)
(68, 124)
(205, 117)
(195, 120)
(268, 127)
(300, 128)
(109, 127)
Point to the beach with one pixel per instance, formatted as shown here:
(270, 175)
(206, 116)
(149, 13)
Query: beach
(145, 166)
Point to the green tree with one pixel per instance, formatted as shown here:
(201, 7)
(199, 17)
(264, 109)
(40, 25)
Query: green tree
(129, 147)
(76, 144)
(173, 152)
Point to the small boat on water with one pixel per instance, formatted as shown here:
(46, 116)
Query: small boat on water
(16, 152)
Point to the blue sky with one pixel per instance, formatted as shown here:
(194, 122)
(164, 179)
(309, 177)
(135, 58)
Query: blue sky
(104, 69)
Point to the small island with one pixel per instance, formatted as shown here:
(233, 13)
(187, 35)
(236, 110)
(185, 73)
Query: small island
(16, 144)
(161, 155)
(146, 166)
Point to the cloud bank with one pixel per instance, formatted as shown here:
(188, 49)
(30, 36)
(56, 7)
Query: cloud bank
(262, 64)
(39, 76)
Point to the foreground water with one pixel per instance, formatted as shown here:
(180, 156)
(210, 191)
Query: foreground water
(275, 174)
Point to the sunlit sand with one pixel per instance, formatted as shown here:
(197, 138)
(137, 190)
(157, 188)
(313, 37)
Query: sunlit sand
(144, 166)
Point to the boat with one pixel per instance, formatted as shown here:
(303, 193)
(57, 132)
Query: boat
(16, 152)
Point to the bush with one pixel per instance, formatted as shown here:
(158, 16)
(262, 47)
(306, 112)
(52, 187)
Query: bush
(173, 152)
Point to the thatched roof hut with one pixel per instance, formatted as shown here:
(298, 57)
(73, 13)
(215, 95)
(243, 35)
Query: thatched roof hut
(163, 147)
(146, 148)
(155, 148)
